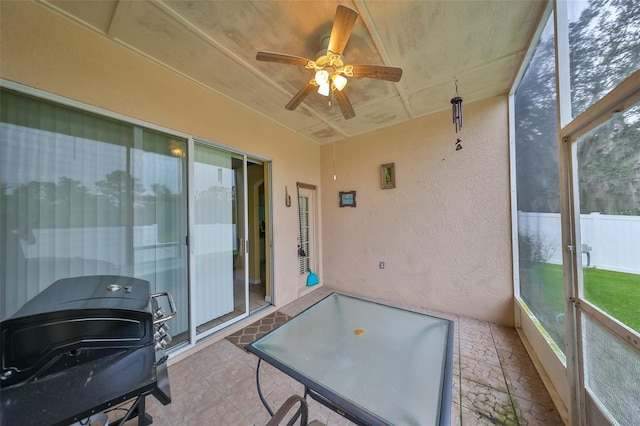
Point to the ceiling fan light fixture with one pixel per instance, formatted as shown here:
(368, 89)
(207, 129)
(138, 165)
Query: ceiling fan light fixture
(330, 71)
(324, 89)
(339, 81)
(322, 77)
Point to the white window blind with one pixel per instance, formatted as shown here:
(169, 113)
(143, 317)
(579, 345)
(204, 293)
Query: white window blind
(83, 195)
(303, 237)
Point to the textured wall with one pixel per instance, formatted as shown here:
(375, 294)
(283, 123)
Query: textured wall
(46, 51)
(443, 232)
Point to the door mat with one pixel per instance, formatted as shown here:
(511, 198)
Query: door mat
(258, 329)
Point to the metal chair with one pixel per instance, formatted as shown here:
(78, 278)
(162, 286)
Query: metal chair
(302, 412)
(586, 249)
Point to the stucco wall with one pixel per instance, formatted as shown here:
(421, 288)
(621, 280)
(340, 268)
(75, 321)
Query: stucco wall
(443, 232)
(48, 52)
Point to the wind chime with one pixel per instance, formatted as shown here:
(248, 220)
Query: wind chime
(456, 111)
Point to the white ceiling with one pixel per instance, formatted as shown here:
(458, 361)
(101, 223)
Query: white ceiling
(214, 43)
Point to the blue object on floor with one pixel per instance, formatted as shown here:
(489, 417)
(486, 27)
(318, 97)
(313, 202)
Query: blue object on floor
(312, 279)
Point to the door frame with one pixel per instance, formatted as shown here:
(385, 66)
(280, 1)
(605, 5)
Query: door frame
(244, 245)
(584, 409)
(314, 259)
(588, 410)
(242, 226)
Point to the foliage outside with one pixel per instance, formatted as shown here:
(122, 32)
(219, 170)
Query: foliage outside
(604, 49)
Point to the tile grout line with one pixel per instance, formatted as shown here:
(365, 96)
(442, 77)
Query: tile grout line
(504, 377)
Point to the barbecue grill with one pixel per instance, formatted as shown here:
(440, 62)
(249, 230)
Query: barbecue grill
(82, 346)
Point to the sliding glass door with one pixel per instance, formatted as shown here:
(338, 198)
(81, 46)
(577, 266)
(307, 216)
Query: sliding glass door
(85, 194)
(82, 195)
(219, 237)
(229, 237)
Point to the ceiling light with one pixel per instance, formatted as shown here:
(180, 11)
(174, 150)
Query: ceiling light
(339, 81)
(322, 77)
(176, 148)
(177, 152)
(324, 89)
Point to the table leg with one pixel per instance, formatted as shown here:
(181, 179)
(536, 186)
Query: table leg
(302, 411)
(264, 401)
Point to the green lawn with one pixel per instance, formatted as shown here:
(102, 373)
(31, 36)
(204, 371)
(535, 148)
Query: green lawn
(611, 364)
(616, 293)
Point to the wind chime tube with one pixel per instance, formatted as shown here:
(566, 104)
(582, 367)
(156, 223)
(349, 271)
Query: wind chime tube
(453, 114)
(456, 109)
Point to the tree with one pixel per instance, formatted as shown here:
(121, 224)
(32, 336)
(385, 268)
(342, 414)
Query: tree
(536, 133)
(118, 188)
(604, 50)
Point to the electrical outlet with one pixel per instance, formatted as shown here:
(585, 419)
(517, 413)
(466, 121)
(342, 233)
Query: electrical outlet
(381, 265)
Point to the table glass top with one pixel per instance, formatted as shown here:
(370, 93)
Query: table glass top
(387, 361)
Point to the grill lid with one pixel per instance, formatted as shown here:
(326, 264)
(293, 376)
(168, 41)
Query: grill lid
(90, 293)
(75, 321)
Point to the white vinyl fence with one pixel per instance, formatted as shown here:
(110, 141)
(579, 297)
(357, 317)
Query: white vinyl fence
(612, 241)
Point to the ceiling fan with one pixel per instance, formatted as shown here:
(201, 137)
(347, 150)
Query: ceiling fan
(330, 70)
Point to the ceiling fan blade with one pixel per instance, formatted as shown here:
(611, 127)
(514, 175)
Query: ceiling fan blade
(345, 104)
(378, 72)
(299, 97)
(282, 58)
(343, 23)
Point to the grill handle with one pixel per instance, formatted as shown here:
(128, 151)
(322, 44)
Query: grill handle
(172, 306)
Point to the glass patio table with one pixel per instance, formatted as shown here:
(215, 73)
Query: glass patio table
(372, 363)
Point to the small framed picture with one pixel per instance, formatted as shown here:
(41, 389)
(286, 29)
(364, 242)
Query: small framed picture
(347, 198)
(388, 176)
